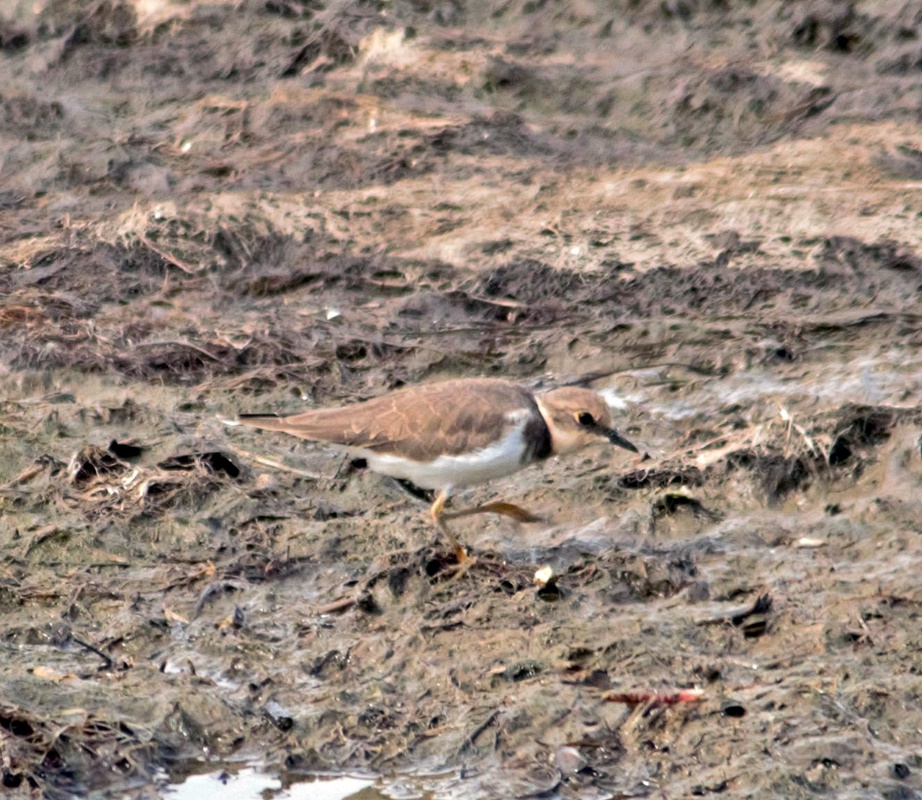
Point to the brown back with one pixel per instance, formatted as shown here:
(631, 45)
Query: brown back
(420, 422)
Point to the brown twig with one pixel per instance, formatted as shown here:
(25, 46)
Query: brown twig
(167, 256)
(654, 700)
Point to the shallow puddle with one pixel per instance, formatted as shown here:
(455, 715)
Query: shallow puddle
(708, 210)
(251, 784)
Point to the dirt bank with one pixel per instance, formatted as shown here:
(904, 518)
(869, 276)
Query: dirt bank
(709, 213)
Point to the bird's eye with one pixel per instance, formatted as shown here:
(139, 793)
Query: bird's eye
(585, 419)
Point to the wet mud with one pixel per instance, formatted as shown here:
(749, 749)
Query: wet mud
(708, 213)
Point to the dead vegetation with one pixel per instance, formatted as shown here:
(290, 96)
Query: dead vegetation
(709, 212)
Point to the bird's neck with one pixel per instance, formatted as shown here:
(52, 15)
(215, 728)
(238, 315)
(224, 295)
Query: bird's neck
(561, 441)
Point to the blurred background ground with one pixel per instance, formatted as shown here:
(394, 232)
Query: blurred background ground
(710, 209)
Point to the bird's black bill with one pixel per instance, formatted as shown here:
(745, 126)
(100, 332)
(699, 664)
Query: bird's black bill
(616, 438)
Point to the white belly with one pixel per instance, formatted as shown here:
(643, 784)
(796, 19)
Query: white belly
(495, 461)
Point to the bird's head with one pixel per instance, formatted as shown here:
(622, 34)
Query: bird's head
(577, 417)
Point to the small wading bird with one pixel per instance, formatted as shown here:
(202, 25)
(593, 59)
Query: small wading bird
(449, 435)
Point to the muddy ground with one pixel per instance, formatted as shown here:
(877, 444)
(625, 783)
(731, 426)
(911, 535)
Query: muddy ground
(710, 211)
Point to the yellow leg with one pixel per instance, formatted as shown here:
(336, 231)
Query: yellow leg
(438, 517)
(496, 507)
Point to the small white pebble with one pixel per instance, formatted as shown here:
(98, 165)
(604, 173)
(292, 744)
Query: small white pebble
(543, 576)
(807, 541)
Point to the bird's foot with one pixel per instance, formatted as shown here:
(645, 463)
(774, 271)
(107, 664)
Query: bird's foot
(443, 566)
(465, 563)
